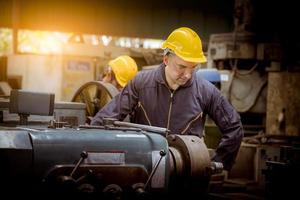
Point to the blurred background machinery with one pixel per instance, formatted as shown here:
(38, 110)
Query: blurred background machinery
(22, 106)
(94, 94)
(264, 88)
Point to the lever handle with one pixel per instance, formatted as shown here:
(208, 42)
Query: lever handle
(83, 156)
(162, 153)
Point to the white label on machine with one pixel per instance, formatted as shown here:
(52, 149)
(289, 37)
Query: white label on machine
(105, 158)
(224, 77)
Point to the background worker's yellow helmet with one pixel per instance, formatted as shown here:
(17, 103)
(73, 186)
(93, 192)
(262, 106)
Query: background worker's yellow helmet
(186, 44)
(124, 68)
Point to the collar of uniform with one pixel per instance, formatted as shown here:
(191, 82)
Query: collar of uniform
(161, 76)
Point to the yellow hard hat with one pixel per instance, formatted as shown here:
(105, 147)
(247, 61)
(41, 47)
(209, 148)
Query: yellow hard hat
(124, 68)
(186, 44)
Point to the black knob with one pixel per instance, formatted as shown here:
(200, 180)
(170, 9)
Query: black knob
(86, 189)
(112, 192)
(140, 192)
(84, 154)
(162, 153)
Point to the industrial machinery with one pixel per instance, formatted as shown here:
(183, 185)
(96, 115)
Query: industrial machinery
(39, 108)
(95, 94)
(119, 160)
(264, 89)
(284, 170)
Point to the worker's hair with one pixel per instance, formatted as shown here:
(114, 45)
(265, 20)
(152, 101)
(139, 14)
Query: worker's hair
(168, 52)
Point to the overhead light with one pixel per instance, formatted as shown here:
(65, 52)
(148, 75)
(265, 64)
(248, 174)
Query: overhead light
(76, 38)
(106, 40)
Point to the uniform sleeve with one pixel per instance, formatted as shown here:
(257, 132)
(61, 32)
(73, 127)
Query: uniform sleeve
(228, 120)
(120, 106)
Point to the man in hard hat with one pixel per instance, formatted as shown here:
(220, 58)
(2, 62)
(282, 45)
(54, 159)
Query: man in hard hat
(173, 97)
(119, 71)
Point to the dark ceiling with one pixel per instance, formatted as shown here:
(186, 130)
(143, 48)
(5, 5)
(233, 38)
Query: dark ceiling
(135, 18)
(274, 21)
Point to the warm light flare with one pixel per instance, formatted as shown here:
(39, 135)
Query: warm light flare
(41, 42)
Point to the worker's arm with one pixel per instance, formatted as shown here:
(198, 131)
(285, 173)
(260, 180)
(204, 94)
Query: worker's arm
(120, 106)
(229, 123)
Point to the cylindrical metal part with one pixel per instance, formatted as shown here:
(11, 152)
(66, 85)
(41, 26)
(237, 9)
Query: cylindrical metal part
(155, 129)
(192, 151)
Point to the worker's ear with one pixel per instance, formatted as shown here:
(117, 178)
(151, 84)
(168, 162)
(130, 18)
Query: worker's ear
(166, 60)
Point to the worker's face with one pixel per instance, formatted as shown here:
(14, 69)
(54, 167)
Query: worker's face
(109, 77)
(178, 70)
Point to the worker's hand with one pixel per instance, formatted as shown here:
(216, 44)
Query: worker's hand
(88, 120)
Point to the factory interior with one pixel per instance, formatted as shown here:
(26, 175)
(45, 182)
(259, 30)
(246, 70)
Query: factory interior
(54, 55)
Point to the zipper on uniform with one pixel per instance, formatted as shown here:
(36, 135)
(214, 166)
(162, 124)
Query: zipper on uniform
(170, 107)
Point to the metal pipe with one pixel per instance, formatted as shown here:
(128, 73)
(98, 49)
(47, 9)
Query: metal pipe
(155, 129)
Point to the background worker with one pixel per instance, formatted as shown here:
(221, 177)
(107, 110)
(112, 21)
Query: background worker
(119, 71)
(173, 97)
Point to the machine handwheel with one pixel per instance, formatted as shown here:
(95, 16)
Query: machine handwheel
(95, 95)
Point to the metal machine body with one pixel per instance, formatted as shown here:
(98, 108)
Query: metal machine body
(120, 157)
(102, 163)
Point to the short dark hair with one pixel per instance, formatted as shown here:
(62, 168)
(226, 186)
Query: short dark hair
(168, 52)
